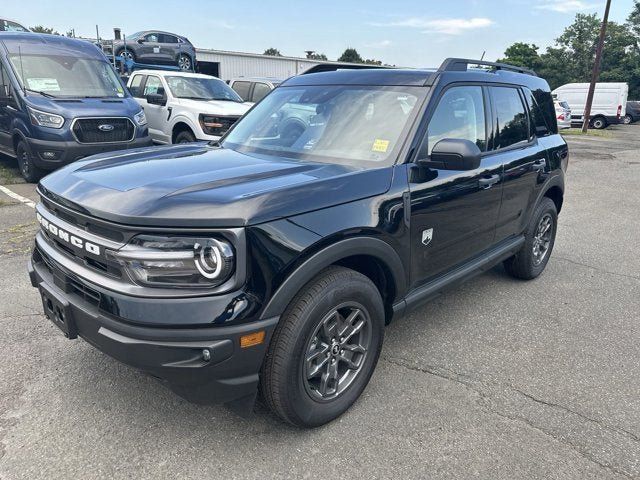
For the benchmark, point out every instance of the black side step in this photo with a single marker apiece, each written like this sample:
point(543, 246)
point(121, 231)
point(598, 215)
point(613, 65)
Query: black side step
point(422, 294)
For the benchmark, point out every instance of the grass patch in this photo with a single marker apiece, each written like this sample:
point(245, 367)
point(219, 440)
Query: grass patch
point(9, 174)
point(577, 132)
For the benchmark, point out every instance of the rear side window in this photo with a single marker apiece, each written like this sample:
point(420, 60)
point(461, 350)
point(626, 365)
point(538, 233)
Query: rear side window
point(164, 38)
point(136, 86)
point(242, 89)
point(539, 126)
point(511, 117)
point(459, 114)
point(260, 90)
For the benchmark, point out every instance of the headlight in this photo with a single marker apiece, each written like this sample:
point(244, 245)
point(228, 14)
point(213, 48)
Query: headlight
point(140, 118)
point(176, 261)
point(44, 119)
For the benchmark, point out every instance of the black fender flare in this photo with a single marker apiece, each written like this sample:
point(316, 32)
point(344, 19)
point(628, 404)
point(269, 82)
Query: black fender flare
point(555, 181)
point(327, 256)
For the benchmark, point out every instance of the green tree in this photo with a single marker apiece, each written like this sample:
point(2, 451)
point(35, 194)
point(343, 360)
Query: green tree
point(274, 52)
point(522, 55)
point(371, 61)
point(316, 56)
point(41, 29)
point(350, 55)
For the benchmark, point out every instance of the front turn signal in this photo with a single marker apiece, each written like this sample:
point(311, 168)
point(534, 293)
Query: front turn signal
point(251, 339)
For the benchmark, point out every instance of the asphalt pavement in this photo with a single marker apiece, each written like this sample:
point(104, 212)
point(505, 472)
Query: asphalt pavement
point(498, 379)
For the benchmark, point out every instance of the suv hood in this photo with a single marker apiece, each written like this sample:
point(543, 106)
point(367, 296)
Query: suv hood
point(215, 107)
point(201, 186)
point(85, 107)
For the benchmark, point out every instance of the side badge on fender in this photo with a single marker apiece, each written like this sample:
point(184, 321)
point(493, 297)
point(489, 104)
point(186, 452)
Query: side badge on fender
point(427, 235)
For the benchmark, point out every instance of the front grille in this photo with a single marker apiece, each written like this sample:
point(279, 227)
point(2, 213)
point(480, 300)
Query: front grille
point(226, 123)
point(103, 130)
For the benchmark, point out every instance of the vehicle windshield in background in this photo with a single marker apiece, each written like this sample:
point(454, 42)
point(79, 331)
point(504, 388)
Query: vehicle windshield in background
point(201, 89)
point(9, 26)
point(65, 76)
point(351, 125)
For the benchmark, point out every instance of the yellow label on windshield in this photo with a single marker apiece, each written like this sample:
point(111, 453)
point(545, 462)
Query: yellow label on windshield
point(380, 145)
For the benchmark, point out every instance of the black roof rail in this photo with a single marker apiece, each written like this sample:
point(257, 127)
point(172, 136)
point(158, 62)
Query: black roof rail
point(332, 67)
point(461, 64)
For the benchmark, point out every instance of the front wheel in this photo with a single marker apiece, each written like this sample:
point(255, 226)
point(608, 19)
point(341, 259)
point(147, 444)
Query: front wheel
point(30, 172)
point(324, 349)
point(540, 237)
point(185, 137)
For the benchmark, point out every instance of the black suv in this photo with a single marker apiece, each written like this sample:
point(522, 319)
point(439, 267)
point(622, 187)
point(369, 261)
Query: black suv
point(272, 260)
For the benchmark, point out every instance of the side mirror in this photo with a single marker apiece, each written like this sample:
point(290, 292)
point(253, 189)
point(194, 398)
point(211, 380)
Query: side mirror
point(140, 41)
point(156, 99)
point(453, 154)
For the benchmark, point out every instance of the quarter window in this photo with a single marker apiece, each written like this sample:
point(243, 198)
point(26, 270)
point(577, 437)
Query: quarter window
point(136, 86)
point(538, 125)
point(459, 114)
point(512, 121)
point(260, 90)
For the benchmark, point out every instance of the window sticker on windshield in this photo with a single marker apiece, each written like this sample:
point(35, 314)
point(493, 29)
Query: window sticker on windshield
point(44, 84)
point(380, 145)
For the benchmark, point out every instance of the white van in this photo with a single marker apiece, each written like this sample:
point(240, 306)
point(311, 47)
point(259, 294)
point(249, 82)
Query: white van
point(609, 102)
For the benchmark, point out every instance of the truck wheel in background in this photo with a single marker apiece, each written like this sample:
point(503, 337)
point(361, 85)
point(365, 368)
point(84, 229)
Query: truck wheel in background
point(324, 348)
point(184, 136)
point(540, 237)
point(599, 123)
point(129, 55)
point(30, 172)
point(628, 119)
point(184, 62)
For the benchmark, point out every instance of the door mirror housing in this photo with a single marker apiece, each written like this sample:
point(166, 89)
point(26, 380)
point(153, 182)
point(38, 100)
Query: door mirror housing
point(140, 41)
point(156, 99)
point(453, 154)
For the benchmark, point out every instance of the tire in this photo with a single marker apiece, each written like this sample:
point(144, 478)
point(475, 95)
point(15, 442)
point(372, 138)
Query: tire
point(184, 62)
point(599, 123)
point(526, 264)
point(287, 381)
point(185, 136)
point(29, 171)
point(627, 120)
point(129, 56)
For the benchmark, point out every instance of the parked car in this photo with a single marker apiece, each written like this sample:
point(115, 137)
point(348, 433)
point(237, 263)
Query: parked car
point(632, 113)
point(277, 261)
point(563, 114)
point(61, 100)
point(159, 48)
point(254, 89)
point(7, 25)
point(184, 107)
point(608, 107)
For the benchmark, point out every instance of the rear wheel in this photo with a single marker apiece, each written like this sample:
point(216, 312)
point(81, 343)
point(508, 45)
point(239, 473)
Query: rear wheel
point(30, 172)
point(184, 62)
point(324, 349)
point(540, 237)
point(599, 123)
point(127, 55)
point(185, 137)
point(627, 119)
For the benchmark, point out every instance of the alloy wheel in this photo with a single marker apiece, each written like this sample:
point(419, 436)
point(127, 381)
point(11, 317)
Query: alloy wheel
point(542, 239)
point(336, 351)
point(184, 63)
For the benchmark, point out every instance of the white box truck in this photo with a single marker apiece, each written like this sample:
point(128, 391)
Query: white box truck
point(609, 102)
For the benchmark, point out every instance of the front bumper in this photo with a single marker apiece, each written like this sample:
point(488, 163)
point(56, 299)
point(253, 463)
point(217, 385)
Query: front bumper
point(176, 356)
point(70, 151)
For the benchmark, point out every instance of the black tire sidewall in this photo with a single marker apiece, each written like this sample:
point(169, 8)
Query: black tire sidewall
point(544, 207)
point(630, 119)
point(603, 123)
point(309, 411)
point(34, 173)
point(188, 135)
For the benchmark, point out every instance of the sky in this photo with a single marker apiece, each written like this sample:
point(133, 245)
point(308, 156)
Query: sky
point(411, 33)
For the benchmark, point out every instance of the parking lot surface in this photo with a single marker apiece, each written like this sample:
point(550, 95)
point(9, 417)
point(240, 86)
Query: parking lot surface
point(496, 379)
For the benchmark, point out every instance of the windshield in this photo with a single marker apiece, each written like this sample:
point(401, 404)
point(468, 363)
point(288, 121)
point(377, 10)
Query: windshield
point(351, 125)
point(65, 76)
point(201, 89)
point(9, 26)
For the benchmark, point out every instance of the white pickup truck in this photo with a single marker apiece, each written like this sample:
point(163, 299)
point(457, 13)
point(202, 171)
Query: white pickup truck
point(185, 107)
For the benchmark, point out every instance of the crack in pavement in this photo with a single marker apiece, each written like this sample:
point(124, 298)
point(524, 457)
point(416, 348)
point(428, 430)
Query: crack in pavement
point(491, 394)
point(597, 269)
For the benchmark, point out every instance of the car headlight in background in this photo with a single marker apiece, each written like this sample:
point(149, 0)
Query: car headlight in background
point(173, 261)
point(140, 118)
point(44, 119)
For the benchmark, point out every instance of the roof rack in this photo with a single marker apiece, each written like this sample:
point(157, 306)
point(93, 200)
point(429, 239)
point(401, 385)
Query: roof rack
point(461, 65)
point(331, 67)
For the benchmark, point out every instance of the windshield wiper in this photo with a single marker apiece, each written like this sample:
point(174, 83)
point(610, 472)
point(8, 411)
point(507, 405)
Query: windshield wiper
point(44, 94)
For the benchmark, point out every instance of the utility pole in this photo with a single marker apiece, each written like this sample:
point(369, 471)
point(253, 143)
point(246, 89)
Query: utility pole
point(596, 69)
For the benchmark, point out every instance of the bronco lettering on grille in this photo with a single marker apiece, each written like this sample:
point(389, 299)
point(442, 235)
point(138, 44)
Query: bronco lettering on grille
point(67, 237)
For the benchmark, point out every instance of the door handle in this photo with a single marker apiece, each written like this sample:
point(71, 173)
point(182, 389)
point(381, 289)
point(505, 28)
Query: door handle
point(488, 182)
point(539, 164)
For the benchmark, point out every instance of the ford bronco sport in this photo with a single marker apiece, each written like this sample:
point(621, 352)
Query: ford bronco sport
point(271, 260)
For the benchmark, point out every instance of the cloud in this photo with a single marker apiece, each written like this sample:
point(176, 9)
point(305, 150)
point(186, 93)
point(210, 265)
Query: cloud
point(566, 6)
point(221, 24)
point(380, 44)
point(447, 26)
